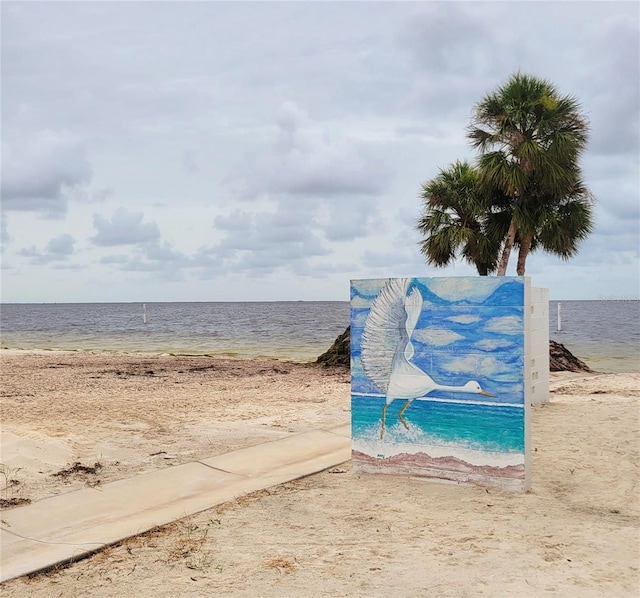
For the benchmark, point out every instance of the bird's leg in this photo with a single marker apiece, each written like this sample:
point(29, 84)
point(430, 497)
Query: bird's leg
point(384, 415)
point(404, 408)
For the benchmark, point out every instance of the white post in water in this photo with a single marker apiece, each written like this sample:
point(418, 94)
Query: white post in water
point(559, 318)
point(144, 313)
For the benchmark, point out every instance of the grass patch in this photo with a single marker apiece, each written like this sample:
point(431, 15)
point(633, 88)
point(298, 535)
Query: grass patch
point(188, 547)
point(12, 485)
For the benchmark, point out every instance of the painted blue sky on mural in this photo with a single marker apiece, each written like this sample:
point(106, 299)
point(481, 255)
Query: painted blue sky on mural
point(470, 328)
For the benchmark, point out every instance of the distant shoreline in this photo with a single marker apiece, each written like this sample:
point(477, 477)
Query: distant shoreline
point(599, 364)
point(152, 354)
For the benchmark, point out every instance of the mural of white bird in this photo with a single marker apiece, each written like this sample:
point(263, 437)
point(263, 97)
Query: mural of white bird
point(387, 350)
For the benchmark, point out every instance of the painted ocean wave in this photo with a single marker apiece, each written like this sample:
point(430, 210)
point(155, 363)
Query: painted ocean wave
point(474, 427)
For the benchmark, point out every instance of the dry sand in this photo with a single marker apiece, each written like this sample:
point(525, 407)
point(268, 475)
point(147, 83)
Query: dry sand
point(338, 533)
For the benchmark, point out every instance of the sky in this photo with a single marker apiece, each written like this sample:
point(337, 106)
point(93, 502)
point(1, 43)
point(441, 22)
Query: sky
point(211, 151)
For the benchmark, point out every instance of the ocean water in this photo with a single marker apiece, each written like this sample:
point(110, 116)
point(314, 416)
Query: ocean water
point(605, 334)
point(471, 426)
point(296, 330)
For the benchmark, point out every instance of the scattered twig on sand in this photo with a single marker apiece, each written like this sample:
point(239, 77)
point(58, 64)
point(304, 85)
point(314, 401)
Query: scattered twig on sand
point(281, 564)
point(78, 469)
point(14, 501)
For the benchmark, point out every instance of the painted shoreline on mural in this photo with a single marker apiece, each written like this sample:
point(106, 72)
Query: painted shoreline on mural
point(438, 389)
point(510, 477)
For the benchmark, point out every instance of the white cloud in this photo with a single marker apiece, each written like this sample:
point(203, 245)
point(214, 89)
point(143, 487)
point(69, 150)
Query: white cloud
point(437, 337)
point(361, 302)
point(267, 240)
point(505, 325)
point(492, 344)
point(38, 172)
point(470, 288)
point(58, 249)
point(62, 245)
point(359, 320)
point(464, 319)
point(615, 51)
point(492, 366)
point(5, 237)
point(308, 159)
point(474, 365)
point(124, 228)
point(462, 365)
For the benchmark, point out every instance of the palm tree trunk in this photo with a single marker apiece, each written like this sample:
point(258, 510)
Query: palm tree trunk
point(506, 251)
point(525, 248)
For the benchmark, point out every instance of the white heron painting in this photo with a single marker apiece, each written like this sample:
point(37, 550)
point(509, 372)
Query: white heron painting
point(438, 377)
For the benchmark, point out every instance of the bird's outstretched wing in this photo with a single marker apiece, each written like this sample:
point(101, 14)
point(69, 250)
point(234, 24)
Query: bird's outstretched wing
point(386, 331)
point(413, 307)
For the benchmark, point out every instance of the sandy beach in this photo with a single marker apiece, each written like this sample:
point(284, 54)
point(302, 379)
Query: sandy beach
point(72, 419)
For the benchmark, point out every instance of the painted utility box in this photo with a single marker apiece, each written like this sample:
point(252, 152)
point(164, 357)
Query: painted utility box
point(443, 374)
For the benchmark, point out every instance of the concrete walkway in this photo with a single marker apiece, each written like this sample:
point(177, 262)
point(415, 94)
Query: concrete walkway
point(66, 527)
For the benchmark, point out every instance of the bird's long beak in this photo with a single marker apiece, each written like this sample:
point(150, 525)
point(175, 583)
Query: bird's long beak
point(487, 394)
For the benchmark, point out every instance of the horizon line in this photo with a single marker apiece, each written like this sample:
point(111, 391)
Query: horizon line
point(143, 301)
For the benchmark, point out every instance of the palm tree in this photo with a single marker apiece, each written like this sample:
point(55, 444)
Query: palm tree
point(560, 224)
point(461, 217)
point(530, 141)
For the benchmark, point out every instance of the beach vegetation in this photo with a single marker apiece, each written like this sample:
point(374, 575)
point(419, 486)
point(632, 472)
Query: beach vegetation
point(188, 547)
point(525, 189)
point(11, 487)
point(462, 217)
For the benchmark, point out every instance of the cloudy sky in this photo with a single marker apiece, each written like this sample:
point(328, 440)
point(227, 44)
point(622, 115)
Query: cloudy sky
point(205, 151)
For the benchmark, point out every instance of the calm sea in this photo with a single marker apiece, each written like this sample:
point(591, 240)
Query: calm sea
point(285, 330)
point(605, 334)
